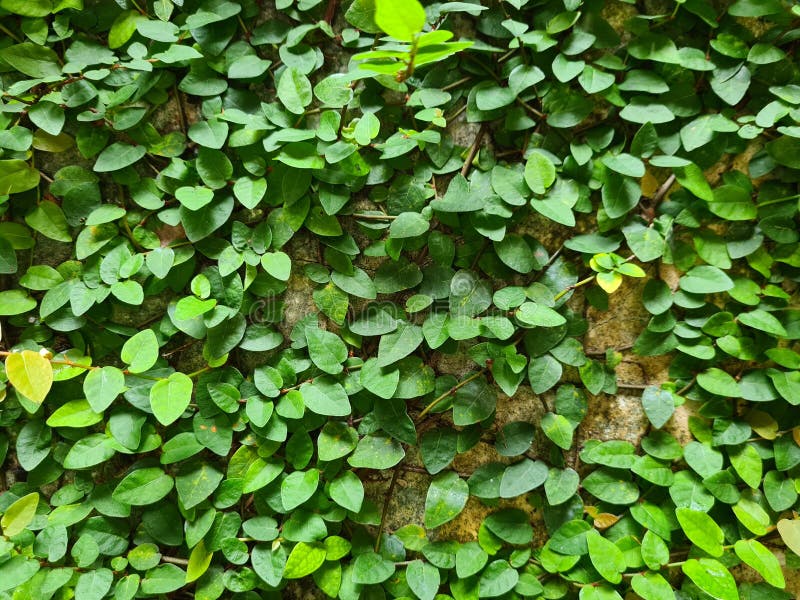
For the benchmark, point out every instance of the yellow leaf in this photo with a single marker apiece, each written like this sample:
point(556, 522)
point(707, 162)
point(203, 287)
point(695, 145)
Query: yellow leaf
point(609, 281)
point(19, 515)
point(199, 561)
point(790, 533)
point(763, 424)
point(30, 373)
point(605, 520)
point(649, 184)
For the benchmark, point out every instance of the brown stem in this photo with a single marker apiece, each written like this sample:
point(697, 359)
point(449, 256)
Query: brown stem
point(473, 150)
point(387, 499)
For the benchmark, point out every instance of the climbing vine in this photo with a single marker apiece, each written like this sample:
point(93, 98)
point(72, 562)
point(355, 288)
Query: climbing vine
point(265, 265)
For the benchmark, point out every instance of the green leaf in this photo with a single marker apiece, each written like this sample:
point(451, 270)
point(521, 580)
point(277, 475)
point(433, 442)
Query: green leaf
point(544, 372)
point(497, 579)
point(605, 486)
point(118, 156)
point(336, 440)
point(522, 477)
point(48, 219)
point(401, 19)
point(446, 498)
point(652, 586)
point(510, 525)
point(325, 396)
point(32, 59)
point(705, 280)
point(277, 264)
point(196, 481)
point(30, 373)
point(94, 584)
point(19, 514)
point(400, 344)
point(294, 90)
point(474, 402)
point(789, 530)
point(408, 225)
point(748, 465)
point(711, 577)
point(326, 349)
point(763, 321)
point(558, 429)
point(423, 579)
point(469, 295)
point(620, 195)
point(371, 568)
point(377, 451)
point(785, 151)
point(701, 530)
point(298, 487)
point(658, 405)
point(347, 491)
point(89, 451)
point(163, 579)
point(143, 486)
point(606, 557)
point(719, 382)
point(561, 485)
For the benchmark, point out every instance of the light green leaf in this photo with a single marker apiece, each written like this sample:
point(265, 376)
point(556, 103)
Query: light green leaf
point(606, 557)
point(102, 386)
point(401, 19)
point(140, 351)
point(170, 397)
point(701, 530)
point(19, 514)
point(540, 173)
point(757, 556)
point(278, 264)
point(304, 559)
point(294, 90)
point(711, 577)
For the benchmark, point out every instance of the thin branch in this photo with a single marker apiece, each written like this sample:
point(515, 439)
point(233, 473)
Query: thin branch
point(473, 150)
point(386, 501)
point(665, 187)
point(447, 394)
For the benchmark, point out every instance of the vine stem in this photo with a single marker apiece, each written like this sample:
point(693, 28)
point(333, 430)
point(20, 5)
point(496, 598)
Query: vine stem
point(10, 33)
point(455, 84)
point(387, 499)
point(664, 188)
point(686, 388)
point(574, 286)
point(374, 217)
point(449, 393)
point(473, 150)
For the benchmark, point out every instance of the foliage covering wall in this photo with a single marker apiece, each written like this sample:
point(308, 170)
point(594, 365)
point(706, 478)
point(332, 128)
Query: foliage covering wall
point(241, 240)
